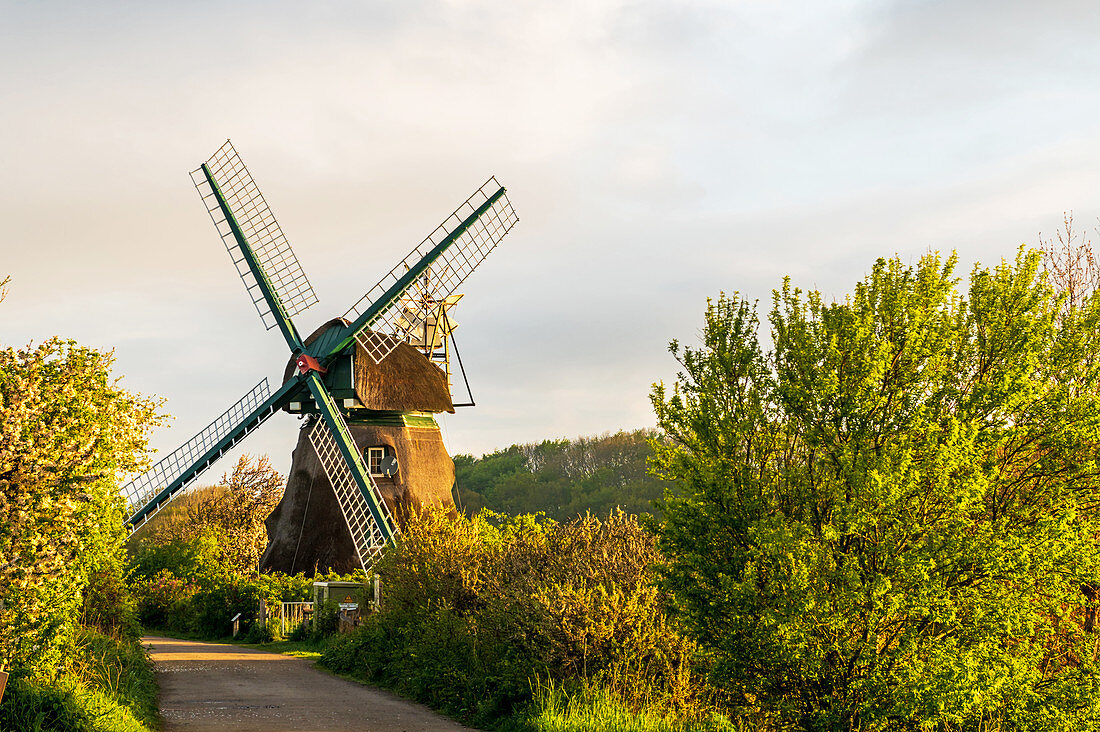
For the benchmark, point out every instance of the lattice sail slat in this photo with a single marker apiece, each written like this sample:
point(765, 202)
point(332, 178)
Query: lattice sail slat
point(394, 323)
point(365, 532)
point(260, 229)
point(145, 487)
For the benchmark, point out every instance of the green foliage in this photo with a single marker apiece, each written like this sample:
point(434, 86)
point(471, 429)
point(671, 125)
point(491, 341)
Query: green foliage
point(211, 609)
point(194, 568)
point(163, 601)
point(220, 527)
point(67, 434)
point(204, 603)
point(326, 620)
point(191, 585)
point(587, 706)
point(563, 478)
point(108, 603)
point(262, 633)
point(195, 558)
point(105, 684)
point(888, 522)
point(474, 609)
point(302, 632)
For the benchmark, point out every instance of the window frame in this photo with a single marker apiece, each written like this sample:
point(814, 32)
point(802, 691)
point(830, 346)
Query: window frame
point(374, 467)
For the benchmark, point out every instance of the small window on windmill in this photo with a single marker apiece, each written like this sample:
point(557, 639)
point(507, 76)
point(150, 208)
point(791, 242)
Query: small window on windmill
point(381, 461)
point(374, 460)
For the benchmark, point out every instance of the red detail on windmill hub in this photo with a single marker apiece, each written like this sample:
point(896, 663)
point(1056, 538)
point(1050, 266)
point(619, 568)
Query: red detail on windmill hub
point(309, 363)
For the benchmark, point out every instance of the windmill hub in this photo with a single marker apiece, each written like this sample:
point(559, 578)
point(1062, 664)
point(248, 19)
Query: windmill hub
point(307, 363)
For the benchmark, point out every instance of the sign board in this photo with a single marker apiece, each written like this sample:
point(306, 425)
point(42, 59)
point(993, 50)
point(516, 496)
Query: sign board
point(3, 682)
point(344, 594)
point(235, 618)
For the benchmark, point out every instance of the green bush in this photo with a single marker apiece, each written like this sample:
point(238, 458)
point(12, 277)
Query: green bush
point(212, 608)
point(326, 620)
point(68, 433)
point(474, 609)
point(163, 601)
point(301, 632)
point(204, 603)
point(108, 602)
point(262, 632)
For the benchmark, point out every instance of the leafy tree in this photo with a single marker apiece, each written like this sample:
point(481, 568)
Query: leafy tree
point(68, 431)
point(562, 478)
point(195, 564)
point(889, 521)
point(231, 514)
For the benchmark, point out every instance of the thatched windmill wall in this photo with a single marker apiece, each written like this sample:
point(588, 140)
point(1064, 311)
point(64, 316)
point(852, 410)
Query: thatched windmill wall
point(396, 400)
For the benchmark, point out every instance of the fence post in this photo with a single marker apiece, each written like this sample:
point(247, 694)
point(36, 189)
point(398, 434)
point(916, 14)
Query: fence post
point(377, 591)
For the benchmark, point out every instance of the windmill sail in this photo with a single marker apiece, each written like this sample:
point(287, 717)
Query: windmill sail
point(152, 490)
point(366, 534)
point(436, 266)
point(248, 210)
point(409, 304)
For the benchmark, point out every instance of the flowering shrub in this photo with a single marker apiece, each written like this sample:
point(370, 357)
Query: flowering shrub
point(68, 433)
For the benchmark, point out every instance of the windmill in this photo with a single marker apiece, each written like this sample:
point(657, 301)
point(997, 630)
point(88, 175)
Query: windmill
point(332, 369)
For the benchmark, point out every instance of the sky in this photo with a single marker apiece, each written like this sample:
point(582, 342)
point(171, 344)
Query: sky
point(657, 154)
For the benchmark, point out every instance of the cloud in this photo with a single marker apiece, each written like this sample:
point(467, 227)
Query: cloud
point(657, 153)
point(917, 57)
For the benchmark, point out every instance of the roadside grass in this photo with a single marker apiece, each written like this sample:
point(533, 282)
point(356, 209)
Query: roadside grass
point(309, 650)
point(108, 685)
point(586, 706)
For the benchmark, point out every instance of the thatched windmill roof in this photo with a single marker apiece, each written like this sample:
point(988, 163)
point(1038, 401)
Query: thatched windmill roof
point(405, 381)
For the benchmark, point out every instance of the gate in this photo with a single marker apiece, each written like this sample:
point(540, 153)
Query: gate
point(293, 614)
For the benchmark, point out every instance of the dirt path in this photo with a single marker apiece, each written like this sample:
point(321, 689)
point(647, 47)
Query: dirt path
point(213, 686)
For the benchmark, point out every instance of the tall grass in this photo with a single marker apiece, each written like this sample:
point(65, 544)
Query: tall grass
point(108, 685)
point(589, 706)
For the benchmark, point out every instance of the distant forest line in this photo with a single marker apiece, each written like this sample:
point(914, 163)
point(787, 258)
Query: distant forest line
point(562, 478)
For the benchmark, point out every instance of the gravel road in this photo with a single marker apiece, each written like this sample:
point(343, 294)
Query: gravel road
point(214, 686)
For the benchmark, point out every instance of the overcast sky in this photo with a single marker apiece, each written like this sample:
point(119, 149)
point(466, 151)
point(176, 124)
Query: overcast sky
point(657, 153)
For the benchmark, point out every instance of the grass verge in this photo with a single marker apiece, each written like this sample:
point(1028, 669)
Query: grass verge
point(585, 706)
point(299, 649)
point(107, 686)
